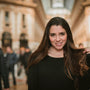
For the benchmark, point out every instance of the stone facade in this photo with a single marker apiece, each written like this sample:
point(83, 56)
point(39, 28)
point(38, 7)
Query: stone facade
point(27, 17)
point(80, 22)
point(31, 12)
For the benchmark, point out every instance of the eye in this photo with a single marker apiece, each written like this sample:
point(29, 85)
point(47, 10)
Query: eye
point(52, 34)
point(62, 33)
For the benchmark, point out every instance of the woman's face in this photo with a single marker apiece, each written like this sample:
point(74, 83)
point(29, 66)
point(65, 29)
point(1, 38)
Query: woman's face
point(58, 37)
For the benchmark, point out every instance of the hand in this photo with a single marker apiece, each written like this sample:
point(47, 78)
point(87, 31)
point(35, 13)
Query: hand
point(87, 50)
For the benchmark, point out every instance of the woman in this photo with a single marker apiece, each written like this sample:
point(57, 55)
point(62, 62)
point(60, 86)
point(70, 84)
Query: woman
point(57, 64)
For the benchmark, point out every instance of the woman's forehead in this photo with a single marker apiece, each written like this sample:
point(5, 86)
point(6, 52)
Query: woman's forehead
point(57, 28)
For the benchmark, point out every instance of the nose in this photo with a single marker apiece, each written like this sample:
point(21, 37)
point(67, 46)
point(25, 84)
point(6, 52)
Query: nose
point(57, 38)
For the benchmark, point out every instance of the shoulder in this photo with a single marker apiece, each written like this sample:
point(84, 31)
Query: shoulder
point(34, 67)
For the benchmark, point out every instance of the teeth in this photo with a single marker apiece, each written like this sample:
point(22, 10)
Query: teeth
point(59, 44)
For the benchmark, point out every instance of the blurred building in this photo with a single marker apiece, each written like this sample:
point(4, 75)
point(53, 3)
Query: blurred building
point(22, 22)
point(80, 22)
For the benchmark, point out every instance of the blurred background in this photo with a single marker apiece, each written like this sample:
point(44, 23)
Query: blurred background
point(22, 24)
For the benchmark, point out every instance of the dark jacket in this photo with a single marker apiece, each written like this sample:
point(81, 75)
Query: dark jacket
point(4, 69)
point(24, 59)
point(0, 68)
point(12, 60)
point(26, 56)
point(1, 53)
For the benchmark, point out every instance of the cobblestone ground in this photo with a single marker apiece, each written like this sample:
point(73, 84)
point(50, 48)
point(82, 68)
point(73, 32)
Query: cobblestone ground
point(19, 87)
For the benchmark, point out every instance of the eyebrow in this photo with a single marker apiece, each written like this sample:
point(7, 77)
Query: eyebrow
point(59, 32)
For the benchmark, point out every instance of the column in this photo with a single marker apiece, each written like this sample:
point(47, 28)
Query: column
point(87, 16)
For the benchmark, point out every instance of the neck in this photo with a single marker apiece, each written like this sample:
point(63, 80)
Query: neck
point(55, 53)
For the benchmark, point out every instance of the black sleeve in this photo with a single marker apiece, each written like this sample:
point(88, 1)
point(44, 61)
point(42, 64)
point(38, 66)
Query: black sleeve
point(15, 58)
point(33, 78)
point(84, 81)
point(88, 59)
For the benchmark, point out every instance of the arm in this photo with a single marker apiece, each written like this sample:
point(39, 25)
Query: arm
point(84, 81)
point(88, 73)
point(33, 78)
point(15, 58)
point(88, 59)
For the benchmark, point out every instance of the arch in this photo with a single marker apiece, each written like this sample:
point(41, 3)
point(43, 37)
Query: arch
point(6, 39)
point(23, 40)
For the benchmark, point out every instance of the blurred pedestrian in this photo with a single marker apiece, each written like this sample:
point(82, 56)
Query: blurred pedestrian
point(0, 68)
point(11, 63)
point(4, 69)
point(26, 58)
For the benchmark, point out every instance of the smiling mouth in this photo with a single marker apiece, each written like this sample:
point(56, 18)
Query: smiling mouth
point(58, 44)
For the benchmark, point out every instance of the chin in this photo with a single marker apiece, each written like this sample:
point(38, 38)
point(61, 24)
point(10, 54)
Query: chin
point(58, 49)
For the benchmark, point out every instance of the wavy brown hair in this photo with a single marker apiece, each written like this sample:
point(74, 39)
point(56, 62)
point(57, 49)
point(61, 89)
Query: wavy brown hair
point(74, 59)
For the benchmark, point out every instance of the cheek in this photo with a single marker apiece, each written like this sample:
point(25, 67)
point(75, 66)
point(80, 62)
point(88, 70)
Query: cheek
point(65, 38)
point(51, 39)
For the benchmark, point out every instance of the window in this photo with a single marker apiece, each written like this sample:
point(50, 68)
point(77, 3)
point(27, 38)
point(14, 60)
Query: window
point(23, 40)
point(7, 18)
point(57, 3)
point(23, 21)
point(6, 39)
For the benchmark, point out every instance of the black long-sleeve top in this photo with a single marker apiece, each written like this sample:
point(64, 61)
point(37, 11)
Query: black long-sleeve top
point(49, 74)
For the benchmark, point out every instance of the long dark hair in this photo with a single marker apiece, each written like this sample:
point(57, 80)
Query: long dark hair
point(74, 59)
